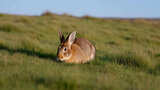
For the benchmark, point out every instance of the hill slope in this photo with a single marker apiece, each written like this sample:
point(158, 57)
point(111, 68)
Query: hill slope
point(128, 53)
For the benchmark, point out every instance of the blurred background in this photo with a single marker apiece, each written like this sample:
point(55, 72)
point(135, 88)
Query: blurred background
point(97, 8)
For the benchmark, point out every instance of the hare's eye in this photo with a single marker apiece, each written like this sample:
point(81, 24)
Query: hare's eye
point(65, 49)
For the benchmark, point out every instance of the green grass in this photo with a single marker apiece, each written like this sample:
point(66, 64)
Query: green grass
point(127, 58)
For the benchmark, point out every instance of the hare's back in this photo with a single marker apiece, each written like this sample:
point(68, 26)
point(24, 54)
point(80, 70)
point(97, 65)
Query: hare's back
point(87, 48)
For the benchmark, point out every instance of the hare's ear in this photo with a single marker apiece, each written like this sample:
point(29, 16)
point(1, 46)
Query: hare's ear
point(61, 36)
point(71, 38)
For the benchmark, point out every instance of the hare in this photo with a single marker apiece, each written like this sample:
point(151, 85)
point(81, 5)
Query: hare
point(75, 50)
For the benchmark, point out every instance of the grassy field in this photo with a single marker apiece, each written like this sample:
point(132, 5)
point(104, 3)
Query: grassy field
point(127, 58)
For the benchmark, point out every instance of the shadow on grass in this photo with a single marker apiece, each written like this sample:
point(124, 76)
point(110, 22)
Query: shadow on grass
point(157, 55)
point(155, 70)
point(29, 52)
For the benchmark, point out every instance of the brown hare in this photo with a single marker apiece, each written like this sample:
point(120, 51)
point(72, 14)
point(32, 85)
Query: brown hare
point(75, 50)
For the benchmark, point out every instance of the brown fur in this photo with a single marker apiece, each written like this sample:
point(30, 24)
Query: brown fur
point(79, 51)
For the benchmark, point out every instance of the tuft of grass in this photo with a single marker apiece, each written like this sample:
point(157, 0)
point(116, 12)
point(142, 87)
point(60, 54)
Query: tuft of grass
point(131, 59)
point(8, 28)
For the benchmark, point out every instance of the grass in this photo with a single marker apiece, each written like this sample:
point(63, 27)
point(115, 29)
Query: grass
point(127, 58)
